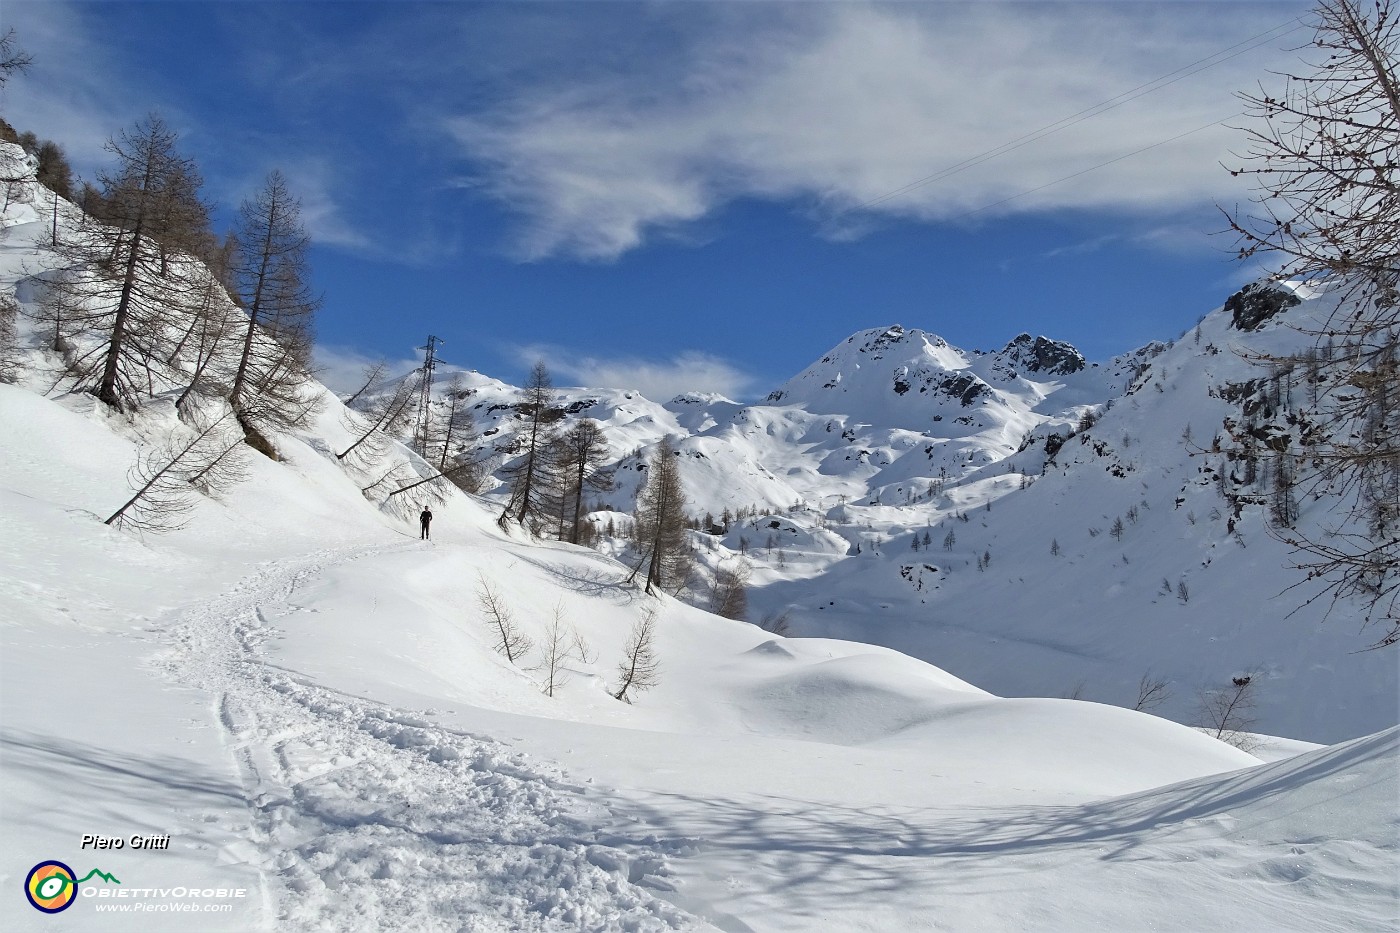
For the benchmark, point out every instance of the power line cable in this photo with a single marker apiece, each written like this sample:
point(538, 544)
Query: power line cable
point(1093, 168)
point(1171, 77)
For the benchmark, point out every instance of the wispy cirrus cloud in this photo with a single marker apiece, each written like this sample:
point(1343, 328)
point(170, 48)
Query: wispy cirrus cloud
point(837, 107)
point(322, 194)
point(81, 93)
point(1083, 247)
point(657, 379)
point(74, 92)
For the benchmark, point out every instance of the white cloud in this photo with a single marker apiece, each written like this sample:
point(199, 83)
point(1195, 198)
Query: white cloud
point(342, 369)
point(1189, 239)
point(845, 103)
point(657, 379)
point(315, 183)
point(80, 95)
point(1083, 247)
point(73, 93)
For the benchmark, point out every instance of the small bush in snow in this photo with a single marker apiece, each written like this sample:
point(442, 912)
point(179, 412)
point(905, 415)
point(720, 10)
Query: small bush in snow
point(779, 623)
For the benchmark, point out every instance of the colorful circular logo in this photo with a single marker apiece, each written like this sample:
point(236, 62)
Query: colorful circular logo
point(51, 886)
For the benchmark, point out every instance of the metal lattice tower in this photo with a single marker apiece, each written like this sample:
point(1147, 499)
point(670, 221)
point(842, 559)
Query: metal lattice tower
point(425, 393)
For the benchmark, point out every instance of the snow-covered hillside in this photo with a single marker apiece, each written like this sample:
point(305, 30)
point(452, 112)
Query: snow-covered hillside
point(882, 477)
point(306, 699)
point(1140, 547)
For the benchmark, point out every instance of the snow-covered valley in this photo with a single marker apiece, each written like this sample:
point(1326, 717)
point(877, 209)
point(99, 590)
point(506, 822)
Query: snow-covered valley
point(1035, 524)
point(306, 698)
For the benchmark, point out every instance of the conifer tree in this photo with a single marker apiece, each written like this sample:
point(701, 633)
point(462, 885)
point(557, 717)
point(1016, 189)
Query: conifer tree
point(583, 450)
point(531, 476)
point(270, 274)
point(54, 171)
point(9, 357)
point(660, 526)
point(120, 284)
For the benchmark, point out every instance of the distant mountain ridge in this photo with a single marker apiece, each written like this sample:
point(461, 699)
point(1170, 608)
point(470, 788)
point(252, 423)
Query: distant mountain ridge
point(1024, 517)
point(845, 426)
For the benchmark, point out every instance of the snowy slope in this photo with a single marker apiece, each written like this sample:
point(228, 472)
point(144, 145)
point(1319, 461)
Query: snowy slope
point(335, 734)
point(1189, 592)
point(306, 699)
point(894, 435)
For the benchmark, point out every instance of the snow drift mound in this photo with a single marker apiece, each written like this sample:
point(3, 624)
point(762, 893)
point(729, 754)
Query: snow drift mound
point(893, 702)
point(1349, 791)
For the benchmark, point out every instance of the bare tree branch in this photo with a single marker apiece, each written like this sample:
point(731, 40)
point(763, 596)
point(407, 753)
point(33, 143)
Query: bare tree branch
point(639, 669)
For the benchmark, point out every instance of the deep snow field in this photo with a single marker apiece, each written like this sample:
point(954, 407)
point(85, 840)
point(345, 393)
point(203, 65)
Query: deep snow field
point(304, 697)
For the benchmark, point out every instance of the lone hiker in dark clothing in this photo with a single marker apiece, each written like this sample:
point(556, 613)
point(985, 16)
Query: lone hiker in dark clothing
point(425, 519)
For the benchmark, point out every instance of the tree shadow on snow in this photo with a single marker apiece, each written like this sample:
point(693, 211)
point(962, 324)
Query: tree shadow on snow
point(85, 781)
point(603, 580)
point(821, 853)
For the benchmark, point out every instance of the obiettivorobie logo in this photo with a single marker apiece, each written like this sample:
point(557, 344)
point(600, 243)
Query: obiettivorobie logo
point(52, 886)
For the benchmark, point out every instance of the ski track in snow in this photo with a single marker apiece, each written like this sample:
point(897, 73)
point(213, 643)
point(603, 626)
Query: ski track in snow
point(373, 818)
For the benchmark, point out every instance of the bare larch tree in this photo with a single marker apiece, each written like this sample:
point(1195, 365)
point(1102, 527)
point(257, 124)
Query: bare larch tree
point(379, 417)
point(582, 454)
point(660, 525)
point(729, 596)
point(530, 476)
point(562, 646)
point(507, 638)
point(166, 478)
point(639, 668)
point(449, 426)
point(1324, 154)
point(120, 282)
point(270, 273)
point(13, 59)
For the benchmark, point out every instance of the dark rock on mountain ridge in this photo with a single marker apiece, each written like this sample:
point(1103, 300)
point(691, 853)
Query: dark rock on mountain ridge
point(1256, 303)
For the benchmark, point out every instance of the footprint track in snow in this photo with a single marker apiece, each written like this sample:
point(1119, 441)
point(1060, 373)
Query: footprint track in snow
point(367, 817)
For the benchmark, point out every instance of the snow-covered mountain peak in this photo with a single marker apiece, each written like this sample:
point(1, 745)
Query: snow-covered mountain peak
point(910, 379)
point(895, 359)
point(866, 360)
point(688, 400)
point(1258, 302)
point(1041, 355)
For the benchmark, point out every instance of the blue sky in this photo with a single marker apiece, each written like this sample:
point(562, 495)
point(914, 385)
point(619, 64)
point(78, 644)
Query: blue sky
point(671, 195)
